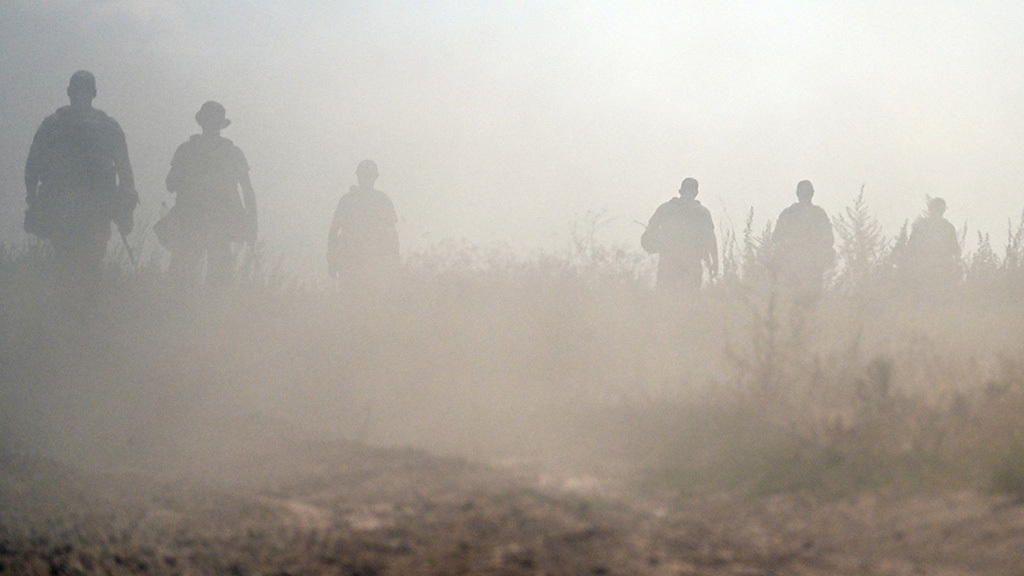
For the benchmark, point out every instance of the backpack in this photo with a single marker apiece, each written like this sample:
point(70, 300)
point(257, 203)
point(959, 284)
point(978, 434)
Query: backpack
point(678, 229)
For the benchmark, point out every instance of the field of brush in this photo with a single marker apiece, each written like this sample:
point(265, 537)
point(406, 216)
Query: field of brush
point(567, 368)
point(567, 358)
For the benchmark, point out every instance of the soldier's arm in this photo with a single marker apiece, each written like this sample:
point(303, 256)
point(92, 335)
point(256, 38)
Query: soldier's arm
point(332, 234)
point(781, 229)
point(656, 218)
point(828, 233)
point(647, 238)
point(35, 164)
point(122, 165)
point(828, 240)
point(712, 247)
point(332, 240)
point(249, 198)
point(248, 195)
point(175, 179)
point(392, 220)
point(31, 181)
point(953, 242)
point(128, 197)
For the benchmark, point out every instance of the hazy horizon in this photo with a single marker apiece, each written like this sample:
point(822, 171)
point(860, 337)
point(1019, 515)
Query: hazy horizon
point(506, 122)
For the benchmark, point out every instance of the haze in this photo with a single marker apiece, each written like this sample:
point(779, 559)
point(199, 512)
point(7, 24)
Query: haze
point(505, 122)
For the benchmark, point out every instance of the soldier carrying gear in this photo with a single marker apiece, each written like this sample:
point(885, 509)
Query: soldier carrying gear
point(682, 233)
point(362, 244)
point(803, 242)
point(209, 214)
point(78, 180)
point(932, 261)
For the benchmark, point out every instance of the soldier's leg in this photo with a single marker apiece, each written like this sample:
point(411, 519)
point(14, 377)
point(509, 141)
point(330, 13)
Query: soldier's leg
point(220, 264)
point(186, 262)
point(679, 276)
point(79, 253)
point(693, 277)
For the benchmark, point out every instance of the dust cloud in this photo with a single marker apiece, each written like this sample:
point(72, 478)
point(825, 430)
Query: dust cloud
point(544, 111)
point(521, 145)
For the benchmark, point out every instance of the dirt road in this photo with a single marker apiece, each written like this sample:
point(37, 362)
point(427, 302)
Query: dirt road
point(354, 510)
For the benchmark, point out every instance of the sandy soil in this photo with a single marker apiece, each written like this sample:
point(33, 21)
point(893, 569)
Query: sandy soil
point(354, 510)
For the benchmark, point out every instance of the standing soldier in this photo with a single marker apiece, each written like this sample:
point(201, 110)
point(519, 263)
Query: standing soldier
point(803, 243)
point(932, 262)
point(78, 180)
point(362, 244)
point(208, 215)
point(682, 233)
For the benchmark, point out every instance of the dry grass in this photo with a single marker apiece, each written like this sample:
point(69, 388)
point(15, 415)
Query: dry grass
point(568, 358)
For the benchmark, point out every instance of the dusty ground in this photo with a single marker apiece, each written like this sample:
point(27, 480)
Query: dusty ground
point(354, 510)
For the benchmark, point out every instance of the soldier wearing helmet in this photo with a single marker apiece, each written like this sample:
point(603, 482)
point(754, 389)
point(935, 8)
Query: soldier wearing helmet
point(803, 244)
point(78, 180)
point(682, 233)
point(362, 244)
point(207, 173)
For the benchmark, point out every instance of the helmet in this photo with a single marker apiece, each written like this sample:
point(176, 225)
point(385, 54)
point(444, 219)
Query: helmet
point(211, 115)
point(688, 187)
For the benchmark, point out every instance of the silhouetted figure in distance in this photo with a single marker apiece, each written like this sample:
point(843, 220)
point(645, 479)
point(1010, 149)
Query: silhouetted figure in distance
point(362, 244)
point(682, 234)
point(78, 180)
point(803, 244)
point(208, 215)
point(932, 258)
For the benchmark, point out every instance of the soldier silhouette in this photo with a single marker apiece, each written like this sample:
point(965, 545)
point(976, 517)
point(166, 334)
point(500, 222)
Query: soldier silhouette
point(932, 258)
point(803, 244)
point(682, 234)
point(78, 180)
point(208, 214)
point(362, 244)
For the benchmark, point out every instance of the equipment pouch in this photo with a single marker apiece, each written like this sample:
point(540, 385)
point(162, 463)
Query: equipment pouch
point(170, 230)
point(42, 217)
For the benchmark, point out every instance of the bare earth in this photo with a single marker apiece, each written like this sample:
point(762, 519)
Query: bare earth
point(354, 510)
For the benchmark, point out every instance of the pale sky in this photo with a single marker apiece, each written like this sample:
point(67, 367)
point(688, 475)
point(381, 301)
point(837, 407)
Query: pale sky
point(506, 121)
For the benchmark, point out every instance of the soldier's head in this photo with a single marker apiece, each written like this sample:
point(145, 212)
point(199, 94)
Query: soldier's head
point(366, 173)
point(936, 207)
point(82, 87)
point(688, 189)
point(211, 116)
point(804, 191)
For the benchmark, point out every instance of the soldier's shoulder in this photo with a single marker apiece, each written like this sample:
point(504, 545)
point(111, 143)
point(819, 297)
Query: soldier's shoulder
point(349, 195)
point(702, 209)
point(821, 215)
point(671, 206)
point(788, 211)
point(61, 114)
point(235, 150)
point(187, 145)
point(101, 116)
point(384, 201)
